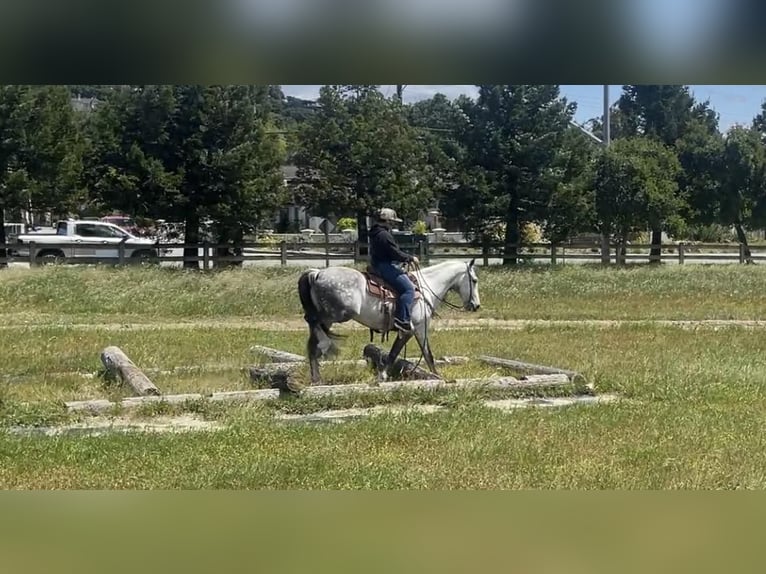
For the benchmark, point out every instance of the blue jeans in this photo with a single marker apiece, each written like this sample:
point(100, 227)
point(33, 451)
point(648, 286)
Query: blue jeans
point(398, 279)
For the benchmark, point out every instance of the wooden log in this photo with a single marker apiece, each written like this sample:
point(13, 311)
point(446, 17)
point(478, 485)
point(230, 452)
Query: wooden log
point(117, 363)
point(500, 383)
point(530, 367)
point(104, 405)
point(255, 395)
point(402, 367)
point(289, 366)
point(278, 356)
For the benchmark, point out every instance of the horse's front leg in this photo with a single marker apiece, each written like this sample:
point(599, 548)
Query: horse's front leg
point(393, 355)
point(421, 336)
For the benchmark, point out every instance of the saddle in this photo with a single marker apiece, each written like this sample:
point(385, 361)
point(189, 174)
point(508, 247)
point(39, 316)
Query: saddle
point(378, 287)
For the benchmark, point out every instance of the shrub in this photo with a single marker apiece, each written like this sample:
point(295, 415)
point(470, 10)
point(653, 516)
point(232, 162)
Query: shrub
point(346, 223)
point(420, 228)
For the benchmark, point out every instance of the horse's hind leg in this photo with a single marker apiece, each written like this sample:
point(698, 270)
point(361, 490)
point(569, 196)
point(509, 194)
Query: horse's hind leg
point(313, 353)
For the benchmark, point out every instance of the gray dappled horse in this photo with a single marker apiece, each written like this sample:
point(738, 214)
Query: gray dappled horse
point(341, 294)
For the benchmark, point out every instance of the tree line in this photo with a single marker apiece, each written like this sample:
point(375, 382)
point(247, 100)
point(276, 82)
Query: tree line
point(507, 158)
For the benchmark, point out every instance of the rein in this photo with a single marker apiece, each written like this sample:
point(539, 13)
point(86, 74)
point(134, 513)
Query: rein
point(424, 283)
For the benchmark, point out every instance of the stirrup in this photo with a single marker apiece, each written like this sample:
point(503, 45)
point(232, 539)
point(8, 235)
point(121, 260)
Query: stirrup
point(404, 327)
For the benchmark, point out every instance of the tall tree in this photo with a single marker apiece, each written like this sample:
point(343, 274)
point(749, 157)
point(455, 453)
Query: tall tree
point(700, 151)
point(441, 125)
point(759, 122)
point(359, 153)
point(515, 138)
point(635, 183)
point(40, 151)
point(571, 208)
point(662, 112)
point(743, 182)
point(189, 153)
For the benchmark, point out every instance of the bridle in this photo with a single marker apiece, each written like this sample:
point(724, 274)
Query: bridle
point(424, 283)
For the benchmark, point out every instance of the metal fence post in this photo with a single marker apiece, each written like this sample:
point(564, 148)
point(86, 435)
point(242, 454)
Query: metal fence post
point(32, 254)
point(283, 253)
point(121, 251)
point(553, 254)
point(681, 254)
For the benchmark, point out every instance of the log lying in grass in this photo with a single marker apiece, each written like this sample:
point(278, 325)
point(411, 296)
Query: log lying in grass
point(532, 368)
point(292, 365)
point(117, 364)
point(502, 383)
point(104, 405)
point(402, 367)
point(276, 355)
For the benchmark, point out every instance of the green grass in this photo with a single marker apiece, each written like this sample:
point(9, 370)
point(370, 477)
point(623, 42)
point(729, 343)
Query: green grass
point(692, 417)
point(113, 295)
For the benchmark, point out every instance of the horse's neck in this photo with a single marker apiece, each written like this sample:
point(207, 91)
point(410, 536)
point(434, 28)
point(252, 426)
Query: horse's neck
point(439, 280)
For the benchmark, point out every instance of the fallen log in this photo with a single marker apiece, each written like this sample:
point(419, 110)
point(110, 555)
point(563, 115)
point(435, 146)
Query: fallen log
point(117, 364)
point(531, 368)
point(276, 355)
point(292, 365)
point(401, 367)
point(243, 396)
point(104, 405)
point(500, 383)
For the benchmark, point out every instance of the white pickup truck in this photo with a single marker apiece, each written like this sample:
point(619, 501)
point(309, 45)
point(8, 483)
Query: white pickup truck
point(84, 240)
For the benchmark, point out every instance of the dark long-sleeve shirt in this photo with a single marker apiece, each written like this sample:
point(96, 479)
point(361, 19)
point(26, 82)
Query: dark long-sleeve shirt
point(383, 247)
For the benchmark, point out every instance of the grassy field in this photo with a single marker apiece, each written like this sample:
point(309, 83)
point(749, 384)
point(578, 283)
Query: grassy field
point(691, 414)
point(72, 295)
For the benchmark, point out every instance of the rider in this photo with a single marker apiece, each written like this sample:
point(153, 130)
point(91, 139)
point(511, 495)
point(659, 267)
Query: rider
point(384, 254)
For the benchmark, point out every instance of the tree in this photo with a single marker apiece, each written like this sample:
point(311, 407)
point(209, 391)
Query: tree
point(571, 208)
point(514, 141)
point(40, 151)
point(759, 122)
point(189, 153)
point(700, 151)
point(742, 197)
point(441, 125)
point(357, 154)
point(635, 183)
point(661, 112)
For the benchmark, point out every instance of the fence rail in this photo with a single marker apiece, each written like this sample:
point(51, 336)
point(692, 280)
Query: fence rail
point(211, 255)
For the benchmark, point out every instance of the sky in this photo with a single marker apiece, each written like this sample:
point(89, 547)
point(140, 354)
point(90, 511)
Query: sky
point(734, 104)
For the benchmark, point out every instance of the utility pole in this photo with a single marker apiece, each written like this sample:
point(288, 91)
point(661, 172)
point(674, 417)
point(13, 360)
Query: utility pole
point(607, 119)
point(605, 250)
point(400, 92)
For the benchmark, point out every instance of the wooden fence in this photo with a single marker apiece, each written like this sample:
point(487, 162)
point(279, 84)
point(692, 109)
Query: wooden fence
point(208, 255)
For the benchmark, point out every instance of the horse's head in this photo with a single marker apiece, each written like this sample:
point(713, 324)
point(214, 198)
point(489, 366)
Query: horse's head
point(468, 287)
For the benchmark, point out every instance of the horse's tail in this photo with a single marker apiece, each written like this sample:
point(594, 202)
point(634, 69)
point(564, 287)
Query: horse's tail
point(320, 333)
point(305, 283)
